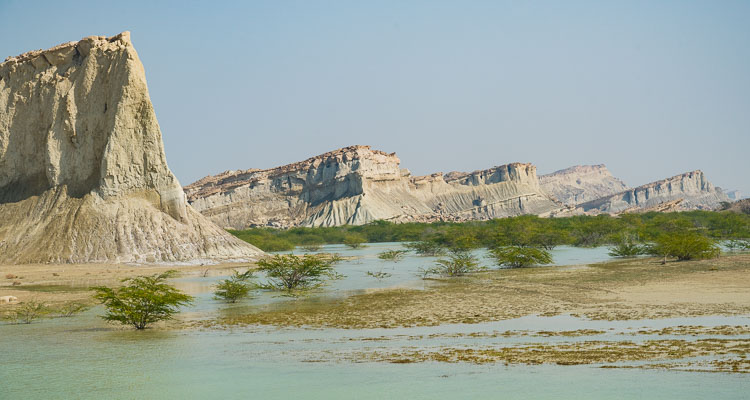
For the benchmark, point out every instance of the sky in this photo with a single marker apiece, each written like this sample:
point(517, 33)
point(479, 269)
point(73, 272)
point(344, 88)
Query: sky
point(649, 88)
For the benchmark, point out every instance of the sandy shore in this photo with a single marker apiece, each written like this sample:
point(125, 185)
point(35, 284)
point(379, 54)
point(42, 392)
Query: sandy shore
point(60, 283)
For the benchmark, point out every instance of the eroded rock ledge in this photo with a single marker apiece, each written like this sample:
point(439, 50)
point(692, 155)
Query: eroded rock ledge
point(83, 175)
point(357, 185)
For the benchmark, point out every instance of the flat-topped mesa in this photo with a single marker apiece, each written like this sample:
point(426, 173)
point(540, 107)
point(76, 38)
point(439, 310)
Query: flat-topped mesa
point(83, 175)
point(692, 188)
point(356, 185)
point(581, 183)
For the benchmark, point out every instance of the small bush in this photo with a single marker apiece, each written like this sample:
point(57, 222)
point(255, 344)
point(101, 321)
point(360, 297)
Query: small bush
point(517, 256)
point(72, 308)
point(355, 241)
point(142, 300)
point(289, 272)
point(392, 255)
point(627, 247)
point(685, 246)
point(235, 287)
point(426, 248)
point(458, 263)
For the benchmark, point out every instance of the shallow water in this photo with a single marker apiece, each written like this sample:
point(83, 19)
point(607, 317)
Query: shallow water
point(83, 357)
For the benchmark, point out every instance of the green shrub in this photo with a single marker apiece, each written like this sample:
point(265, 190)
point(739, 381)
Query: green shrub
point(355, 241)
point(517, 256)
point(142, 300)
point(290, 272)
point(235, 287)
point(458, 263)
point(627, 246)
point(392, 255)
point(685, 246)
point(427, 248)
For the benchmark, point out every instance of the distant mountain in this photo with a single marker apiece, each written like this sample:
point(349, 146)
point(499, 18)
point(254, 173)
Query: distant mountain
point(356, 185)
point(692, 188)
point(581, 183)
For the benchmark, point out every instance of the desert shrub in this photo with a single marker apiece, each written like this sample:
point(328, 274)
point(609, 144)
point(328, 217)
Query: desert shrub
point(627, 246)
point(142, 300)
point(458, 263)
point(355, 241)
point(72, 308)
point(685, 246)
point(392, 255)
point(234, 288)
point(290, 272)
point(427, 248)
point(26, 313)
point(518, 256)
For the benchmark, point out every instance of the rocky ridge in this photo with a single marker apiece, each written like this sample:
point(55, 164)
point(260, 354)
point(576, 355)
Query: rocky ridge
point(581, 183)
point(356, 185)
point(83, 175)
point(692, 189)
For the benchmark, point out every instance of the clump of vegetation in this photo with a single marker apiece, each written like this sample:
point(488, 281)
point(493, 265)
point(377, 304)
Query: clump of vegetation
point(355, 241)
point(142, 300)
point(458, 263)
point(518, 256)
point(290, 272)
point(379, 275)
point(685, 246)
point(626, 247)
point(72, 308)
point(26, 313)
point(526, 231)
point(427, 248)
point(236, 287)
point(392, 255)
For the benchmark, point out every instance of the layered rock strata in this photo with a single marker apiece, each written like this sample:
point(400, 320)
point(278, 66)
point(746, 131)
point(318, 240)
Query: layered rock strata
point(83, 175)
point(581, 183)
point(693, 190)
point(357, 185)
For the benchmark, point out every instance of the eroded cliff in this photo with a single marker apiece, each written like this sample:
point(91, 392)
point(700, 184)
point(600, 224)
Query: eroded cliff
point(581, 183)
point(692, 189)
point(357, 185)
point(83, 175)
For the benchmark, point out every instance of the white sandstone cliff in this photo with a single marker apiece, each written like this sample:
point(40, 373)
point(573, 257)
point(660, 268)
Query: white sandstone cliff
point(357, 185)
point(581, 183)
point(692, 189)
point(83, 175)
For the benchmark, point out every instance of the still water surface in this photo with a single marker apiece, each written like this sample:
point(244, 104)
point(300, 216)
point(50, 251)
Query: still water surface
point(83, 357)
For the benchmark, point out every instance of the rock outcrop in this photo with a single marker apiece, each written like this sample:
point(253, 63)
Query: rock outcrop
point(357, 185)
point(693, 190)
point(581, 183)
point(83, 175)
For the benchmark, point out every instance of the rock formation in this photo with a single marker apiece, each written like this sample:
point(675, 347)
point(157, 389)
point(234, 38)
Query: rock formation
point(83, 175)
point(581, 183)
point(692, 188)
point(357, 185)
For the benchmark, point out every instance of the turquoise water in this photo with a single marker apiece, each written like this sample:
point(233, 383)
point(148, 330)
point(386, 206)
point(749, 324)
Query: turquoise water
point(83, 357)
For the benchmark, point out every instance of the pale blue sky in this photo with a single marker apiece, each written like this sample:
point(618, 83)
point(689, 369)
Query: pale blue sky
point(650, 88)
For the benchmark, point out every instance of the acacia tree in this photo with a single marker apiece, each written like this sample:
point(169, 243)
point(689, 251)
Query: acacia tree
point(518, 256)
point(458, 263)
point(142, 300)
point(290, 272)
point(235, 287)
point(685, 246)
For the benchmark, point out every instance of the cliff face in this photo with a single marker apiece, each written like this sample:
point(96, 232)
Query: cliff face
point(581, 183)
point(357, 185)
point(692, 188)
point(83, 175)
